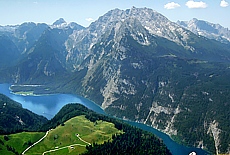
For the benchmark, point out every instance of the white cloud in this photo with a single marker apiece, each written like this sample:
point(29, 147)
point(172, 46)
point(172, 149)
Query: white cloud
point(89, 19)
point(171, 5)
point(195, 5)
point(223, 3)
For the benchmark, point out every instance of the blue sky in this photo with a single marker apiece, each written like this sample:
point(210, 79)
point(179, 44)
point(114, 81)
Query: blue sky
point(84, 12)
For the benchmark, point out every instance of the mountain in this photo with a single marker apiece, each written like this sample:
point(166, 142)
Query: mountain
point(8, 51)
point(133, 73)
point(80, 42)
point(207, 29)
point(24, 35)
point(138, 65)
point(14, 118)
point(16, 40)
point(46, 59)
point(62, 24)
point(42, 61)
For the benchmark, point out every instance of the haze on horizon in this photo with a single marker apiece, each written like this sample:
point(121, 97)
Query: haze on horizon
point(84, 12)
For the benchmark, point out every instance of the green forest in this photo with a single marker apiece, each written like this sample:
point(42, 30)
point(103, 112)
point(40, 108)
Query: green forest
point(131, 141)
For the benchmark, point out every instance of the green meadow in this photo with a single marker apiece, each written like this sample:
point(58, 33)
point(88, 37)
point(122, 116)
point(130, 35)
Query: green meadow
point(68, 138)
point(19, 142)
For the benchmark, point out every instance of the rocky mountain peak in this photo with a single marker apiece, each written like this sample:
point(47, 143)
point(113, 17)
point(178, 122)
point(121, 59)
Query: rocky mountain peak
point(59, 21)
point(207, 29)
point(154, 22)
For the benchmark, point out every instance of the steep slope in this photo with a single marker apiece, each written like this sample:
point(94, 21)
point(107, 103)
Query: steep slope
point(130, 141)
point(80, 42)
point(14, 118)
point(8, 52)
point(22, 39)
point(24, 35)
point(45, 60)
point(42, 62)
point(207, 29)
point(83, 131)
point(139, 76)
point(27, 34)
point(138, 65)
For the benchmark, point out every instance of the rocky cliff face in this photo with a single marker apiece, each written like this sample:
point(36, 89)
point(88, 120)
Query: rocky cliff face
point(207, 29)
point(139, 75)
point(138, 65)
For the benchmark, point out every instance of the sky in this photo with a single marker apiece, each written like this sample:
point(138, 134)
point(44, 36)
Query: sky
point(84, 12)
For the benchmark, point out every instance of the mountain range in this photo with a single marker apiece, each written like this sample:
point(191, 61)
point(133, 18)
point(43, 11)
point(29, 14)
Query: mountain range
point(207, 29)
point(137, 65)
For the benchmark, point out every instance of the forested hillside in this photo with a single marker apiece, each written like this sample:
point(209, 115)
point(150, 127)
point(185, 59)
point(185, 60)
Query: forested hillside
point(14, 118)
point(132, 141)
point(136, 64)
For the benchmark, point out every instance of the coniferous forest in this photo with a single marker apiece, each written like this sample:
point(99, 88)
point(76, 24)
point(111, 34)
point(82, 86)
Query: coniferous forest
point(131, 141)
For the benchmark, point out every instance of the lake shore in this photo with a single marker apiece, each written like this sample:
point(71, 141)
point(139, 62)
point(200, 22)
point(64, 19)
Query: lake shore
point(48, 105)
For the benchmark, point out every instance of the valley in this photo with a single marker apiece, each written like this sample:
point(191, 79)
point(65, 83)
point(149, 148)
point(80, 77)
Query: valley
point(135, 64)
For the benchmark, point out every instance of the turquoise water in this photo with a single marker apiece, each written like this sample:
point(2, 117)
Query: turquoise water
point(49, 105)
point(175, 148)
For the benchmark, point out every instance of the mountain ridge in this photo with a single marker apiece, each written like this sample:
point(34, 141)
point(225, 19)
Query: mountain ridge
point(138, 65)
point(207, 29)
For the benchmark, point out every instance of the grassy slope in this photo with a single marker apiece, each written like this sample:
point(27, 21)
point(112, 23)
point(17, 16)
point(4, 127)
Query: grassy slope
point(66, 135)
point(19, 141)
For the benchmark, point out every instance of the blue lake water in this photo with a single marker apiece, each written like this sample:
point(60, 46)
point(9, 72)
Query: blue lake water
point(49, 105)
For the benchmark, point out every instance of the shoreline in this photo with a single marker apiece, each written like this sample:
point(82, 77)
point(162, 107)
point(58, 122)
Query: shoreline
point(123, 119)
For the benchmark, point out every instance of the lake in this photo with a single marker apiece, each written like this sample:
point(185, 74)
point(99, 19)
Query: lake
point(49, 105)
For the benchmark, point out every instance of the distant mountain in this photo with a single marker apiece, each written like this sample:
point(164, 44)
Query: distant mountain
point(138, 65)
point(60, 21)
point(8, 52)
point(16, 40)
point(62, 24)
point(207, 29)
point(24, 35)
point(14, 118)
point(45, 59)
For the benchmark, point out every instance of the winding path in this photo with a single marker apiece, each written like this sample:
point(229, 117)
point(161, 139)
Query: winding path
point(78, 136)
point(47, 132)
point(36, 142)
point(62, 148)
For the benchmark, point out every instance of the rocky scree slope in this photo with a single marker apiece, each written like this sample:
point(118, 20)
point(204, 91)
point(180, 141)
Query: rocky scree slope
point(138, 65)
point(174, 85)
